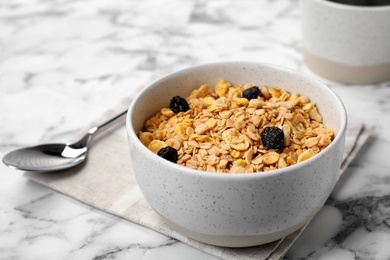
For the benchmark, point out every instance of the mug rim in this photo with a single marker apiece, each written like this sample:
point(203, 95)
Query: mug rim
point(350, 7)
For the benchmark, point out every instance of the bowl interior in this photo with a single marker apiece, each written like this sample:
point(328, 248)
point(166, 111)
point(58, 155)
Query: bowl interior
point(158, 94)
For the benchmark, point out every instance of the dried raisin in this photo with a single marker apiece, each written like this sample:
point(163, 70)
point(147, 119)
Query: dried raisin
point(251, 93)
point(178, 104)
point(169, 153)
point(272, 137)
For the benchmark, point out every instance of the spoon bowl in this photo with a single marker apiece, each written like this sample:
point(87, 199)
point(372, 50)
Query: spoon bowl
point(46, 157)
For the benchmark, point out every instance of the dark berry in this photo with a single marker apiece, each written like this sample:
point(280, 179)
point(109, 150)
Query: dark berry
point(178, 104)
point(272, 137)
point(169, 153)
point(251, 93)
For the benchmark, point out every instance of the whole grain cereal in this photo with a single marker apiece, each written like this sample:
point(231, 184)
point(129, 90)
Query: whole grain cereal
point(221, 130)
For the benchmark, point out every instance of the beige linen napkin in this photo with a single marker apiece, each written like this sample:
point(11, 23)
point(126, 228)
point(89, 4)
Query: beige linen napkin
point(106, 182)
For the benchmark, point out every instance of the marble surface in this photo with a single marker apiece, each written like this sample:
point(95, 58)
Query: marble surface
point(62, 63)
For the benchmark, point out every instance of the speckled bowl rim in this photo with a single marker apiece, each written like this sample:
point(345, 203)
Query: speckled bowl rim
point(338, 138)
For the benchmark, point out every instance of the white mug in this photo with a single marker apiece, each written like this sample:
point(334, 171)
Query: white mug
point(347, 43)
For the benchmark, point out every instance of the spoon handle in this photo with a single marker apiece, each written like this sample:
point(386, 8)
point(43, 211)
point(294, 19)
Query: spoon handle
point(106, 123)
point(87, 137)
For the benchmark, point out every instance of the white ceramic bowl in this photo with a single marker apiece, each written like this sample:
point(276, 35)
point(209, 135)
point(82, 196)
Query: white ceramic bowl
point(236, 210)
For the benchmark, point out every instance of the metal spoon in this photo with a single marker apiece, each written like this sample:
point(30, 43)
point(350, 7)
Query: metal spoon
point(55, 156)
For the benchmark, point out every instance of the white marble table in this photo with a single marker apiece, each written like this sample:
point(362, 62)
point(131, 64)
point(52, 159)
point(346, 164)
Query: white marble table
point(62, 63)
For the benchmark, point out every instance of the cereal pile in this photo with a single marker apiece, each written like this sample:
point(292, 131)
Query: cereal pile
point(237, 129)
